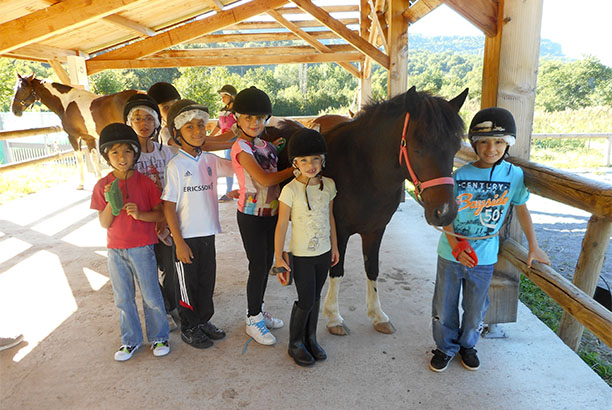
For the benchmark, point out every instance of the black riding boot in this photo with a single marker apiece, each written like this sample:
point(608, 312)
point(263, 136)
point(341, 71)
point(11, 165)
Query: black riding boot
point(311, 334)
point(297, 329)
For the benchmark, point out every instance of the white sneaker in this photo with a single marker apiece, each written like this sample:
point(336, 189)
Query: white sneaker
point(256, 328)
point(125, 352)
point(272, 322)
point(160, 348)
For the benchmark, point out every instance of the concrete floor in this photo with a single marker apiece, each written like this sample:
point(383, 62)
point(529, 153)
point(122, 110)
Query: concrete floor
point(54, 288)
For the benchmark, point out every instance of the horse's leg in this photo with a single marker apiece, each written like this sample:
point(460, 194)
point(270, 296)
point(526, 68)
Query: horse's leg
point(94, 157)
point(78, 154)
point(331, 309)
point(371, 247)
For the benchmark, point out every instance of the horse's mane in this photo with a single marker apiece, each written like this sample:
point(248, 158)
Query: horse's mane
point(438, 124)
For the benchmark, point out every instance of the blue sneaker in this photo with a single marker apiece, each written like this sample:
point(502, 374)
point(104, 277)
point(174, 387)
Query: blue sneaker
point(256, 328)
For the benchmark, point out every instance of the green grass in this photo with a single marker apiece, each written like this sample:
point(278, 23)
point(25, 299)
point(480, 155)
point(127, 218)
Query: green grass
point(592, 351)
point(21, 182)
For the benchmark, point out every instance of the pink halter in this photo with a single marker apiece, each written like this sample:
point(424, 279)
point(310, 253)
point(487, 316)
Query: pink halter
point(419, 186)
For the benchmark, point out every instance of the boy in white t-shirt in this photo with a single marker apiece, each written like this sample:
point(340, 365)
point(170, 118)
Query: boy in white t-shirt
point(192, 211)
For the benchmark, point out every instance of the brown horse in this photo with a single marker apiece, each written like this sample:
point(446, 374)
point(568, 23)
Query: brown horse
point(369, 157)
point(83, 114)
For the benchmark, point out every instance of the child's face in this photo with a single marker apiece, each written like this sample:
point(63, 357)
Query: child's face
point(121, 157)
point(490, 150)
point(143, 123)
point(252, 125)
point(194, 132)
point(226, 98)
point(164, 108)
point(309, 166)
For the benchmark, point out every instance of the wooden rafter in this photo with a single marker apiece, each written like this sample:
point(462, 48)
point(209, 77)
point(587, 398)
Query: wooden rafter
point(56, 19)
point(241, 38)
point(481, 13)
point(259, 25)
point(311, 40)
point(238, 59)
point(214, 4)
point(60, 72)
point(354, 39)
point(39, 52)
point(420, 9)
point(189, 31)
point(246, 51)
point(378, 26)
point(139, 29)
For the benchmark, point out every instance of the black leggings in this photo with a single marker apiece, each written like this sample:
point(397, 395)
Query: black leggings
point(309, 274)
point(257, 234)
point(165, 264)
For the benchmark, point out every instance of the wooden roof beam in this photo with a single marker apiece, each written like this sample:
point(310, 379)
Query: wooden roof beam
point(481, 13)
point(215, 4)
point(239, 59)
point(420, 9)
point(322, 48)
point(242, 38)
point(39, 52)
point(258, 25)
point(189, 31)
point(56, 19)
point(139, 29)
point(377, 24)
point(354, 39)
point(225, 52)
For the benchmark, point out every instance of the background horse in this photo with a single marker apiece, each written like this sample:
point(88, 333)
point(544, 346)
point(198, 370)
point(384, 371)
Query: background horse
point(364, 160)
point(83, 114)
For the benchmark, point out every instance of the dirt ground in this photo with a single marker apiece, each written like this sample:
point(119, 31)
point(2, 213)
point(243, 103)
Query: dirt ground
point(54, 288)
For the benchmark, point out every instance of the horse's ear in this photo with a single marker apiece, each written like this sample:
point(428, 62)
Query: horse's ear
point(18, 75)
point(411, 99)
point(458, 101)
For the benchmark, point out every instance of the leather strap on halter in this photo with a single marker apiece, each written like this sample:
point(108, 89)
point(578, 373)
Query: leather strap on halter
point(419, 186)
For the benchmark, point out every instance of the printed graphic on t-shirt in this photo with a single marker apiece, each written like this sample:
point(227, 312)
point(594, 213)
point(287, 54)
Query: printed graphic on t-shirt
point(261, 200)
point(485, 202)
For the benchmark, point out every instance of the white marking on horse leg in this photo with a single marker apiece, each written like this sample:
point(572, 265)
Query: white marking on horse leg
point(80, 168)
point(375, 312)
point(95, 160)
point(331, 309)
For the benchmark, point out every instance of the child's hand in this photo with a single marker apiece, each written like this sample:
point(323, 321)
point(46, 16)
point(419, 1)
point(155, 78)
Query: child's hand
point(235, 194)
point(183, 252)
point(335, 256)
point(465, 254)
point(282, 269)
point(537, 254)
point(160, 226)
point(279, 142)
point(132, 210)
point(107, 187)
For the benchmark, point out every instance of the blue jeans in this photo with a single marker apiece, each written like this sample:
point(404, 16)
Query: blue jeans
point(450, 278)
point(229, 180)
point(125, 265)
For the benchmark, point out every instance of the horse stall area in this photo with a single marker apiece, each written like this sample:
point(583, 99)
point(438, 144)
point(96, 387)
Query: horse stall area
point(54, 288)
point(54, 282)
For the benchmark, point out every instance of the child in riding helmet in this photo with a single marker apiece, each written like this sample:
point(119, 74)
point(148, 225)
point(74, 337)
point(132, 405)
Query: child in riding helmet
point(164, 94)
point(308, 202)
point(128, 205)
point(192, 212)
point(485, 190)
point(226, 121)
point(254, 162)
point(142, 114)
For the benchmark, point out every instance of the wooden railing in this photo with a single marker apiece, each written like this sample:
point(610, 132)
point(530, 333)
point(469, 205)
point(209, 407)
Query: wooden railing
point(575, 297)
point(14, 134)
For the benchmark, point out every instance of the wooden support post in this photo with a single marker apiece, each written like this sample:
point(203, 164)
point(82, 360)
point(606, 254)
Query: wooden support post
point(490, 65)
point(594, 247)
point(518, 62)
point(398, 48)
point(78, 71)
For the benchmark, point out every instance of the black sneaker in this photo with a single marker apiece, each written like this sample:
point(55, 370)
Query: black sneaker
point(469, 358)
point(212, 331)
point(440, 360)
point(196, 338)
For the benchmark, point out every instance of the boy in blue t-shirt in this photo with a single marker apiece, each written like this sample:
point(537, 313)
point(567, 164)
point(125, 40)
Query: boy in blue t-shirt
point(484, 190)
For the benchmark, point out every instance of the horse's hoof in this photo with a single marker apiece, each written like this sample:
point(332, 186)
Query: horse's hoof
point(339, 330)
point(80, 187)
point(385, 327)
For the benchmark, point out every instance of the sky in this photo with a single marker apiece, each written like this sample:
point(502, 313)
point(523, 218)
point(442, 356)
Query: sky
point(582, 27)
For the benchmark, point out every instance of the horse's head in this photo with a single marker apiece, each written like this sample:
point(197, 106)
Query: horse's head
point(25, 95)
point(432, 131)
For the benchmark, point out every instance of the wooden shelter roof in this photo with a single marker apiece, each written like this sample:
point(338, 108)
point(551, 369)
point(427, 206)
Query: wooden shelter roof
point(169, 33)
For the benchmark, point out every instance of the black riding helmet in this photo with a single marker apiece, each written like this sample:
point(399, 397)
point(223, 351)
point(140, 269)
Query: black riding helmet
point(306, 142)
point(493, 122)
point(252, 101)
point(143, 100)
point(228, 89)
point(118, 133)
point(178, 108)
point(163, 92)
